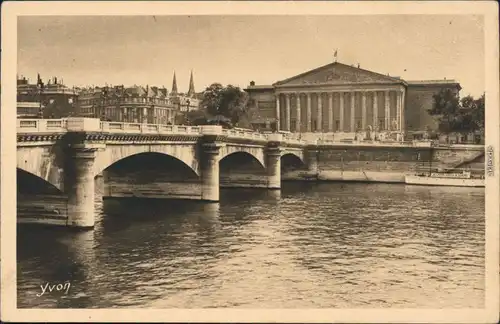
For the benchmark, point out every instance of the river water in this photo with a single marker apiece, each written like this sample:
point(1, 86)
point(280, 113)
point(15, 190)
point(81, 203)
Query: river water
point(313, 245)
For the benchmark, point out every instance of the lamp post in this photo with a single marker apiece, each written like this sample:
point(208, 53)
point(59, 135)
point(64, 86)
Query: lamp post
point(187, 113)
point(40, 93)
point(103, 103)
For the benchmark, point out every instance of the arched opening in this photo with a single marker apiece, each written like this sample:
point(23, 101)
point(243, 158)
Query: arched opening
point(291, 167)
point(242, 170)
point(150, 175)
point(39, 201)
point(291, 162)
point(30, 184)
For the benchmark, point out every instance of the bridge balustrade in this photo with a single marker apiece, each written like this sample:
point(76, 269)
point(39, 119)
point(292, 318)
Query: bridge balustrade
point(29, 126)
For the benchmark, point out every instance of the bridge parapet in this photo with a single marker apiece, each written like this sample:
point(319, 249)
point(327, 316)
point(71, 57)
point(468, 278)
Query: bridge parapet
point(137, 128)
point(28, 126)
point(239, 133)
point(94, 125)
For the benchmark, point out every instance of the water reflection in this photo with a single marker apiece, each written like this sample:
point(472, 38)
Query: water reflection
point(308, 245)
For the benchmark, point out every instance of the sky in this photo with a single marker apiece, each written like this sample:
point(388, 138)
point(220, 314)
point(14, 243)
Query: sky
point(146, 50)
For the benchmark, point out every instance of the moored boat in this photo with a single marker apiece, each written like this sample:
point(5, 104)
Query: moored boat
point(456, 179)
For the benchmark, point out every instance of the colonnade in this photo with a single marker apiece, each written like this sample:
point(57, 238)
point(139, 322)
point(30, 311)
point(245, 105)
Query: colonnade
point(384, 122)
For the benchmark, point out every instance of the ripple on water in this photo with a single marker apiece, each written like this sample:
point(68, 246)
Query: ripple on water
point(322, 245)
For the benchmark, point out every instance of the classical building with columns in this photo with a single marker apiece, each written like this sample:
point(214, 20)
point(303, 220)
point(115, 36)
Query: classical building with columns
point(338, 98)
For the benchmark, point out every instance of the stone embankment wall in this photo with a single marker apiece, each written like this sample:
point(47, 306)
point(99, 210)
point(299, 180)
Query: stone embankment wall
point(384, 164)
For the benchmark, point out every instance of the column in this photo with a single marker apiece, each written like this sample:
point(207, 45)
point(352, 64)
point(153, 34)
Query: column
point(330, 112)
point(145, 115)
point(210, 172)
point(319, 117)
point(363, 111)
point(273, 167)
point(308, 112)
point(353, 97)
point(403, 122)
point(79, 185)
point(375, 111)
point(398, 110)
point(387, 111)
point(287, 97)
point(278, 112)
point(341, 113)
point(297, 121)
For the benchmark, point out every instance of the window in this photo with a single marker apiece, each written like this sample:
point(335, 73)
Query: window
point(293, 124)
point(313, 125)
point(337, 125)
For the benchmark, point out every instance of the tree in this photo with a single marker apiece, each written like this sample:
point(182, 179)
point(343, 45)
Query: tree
point(476, 111)
point(229, 101)
point(193, 117)
point(458, 115)
point(58, 108)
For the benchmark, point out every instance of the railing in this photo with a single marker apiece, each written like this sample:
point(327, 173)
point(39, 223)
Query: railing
point(373, 143)
point(128, 128)
point(33, 126)
point(241, 133)
point(41, 126)
point(29, 126)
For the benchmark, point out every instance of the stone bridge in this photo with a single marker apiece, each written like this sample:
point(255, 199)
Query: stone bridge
point(59, 161)
point(63, 157)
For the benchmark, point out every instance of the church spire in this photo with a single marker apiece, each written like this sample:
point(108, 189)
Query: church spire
point(191, 92)
point(174, 86)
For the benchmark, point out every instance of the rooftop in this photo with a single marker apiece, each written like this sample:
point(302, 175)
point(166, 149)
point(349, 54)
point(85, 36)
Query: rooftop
point(259, 87)
point(444, 81)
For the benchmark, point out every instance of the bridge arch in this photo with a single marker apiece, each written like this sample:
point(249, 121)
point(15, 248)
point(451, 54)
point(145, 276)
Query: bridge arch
point(291, 161)
point(43, 163)
point(255, 153)
point(186, 154)
point(150, 161)
point(29, 183)
point(290, 154)
point(150, 175)
point(240, 170)
point(241, 159)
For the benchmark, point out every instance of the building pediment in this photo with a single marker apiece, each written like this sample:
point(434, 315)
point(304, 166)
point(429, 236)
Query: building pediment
point(337, 74)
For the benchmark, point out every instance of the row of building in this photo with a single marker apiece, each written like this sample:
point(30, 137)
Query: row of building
point(149, 104)
point(339, 100)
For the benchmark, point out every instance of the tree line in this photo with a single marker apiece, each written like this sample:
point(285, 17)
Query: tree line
point(223, 105)
point(458, 115)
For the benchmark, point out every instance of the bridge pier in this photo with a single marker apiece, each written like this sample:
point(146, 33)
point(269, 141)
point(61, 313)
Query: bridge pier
point(210, 172)
point(312, 161)
point(273, 167)
point(79, 185)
